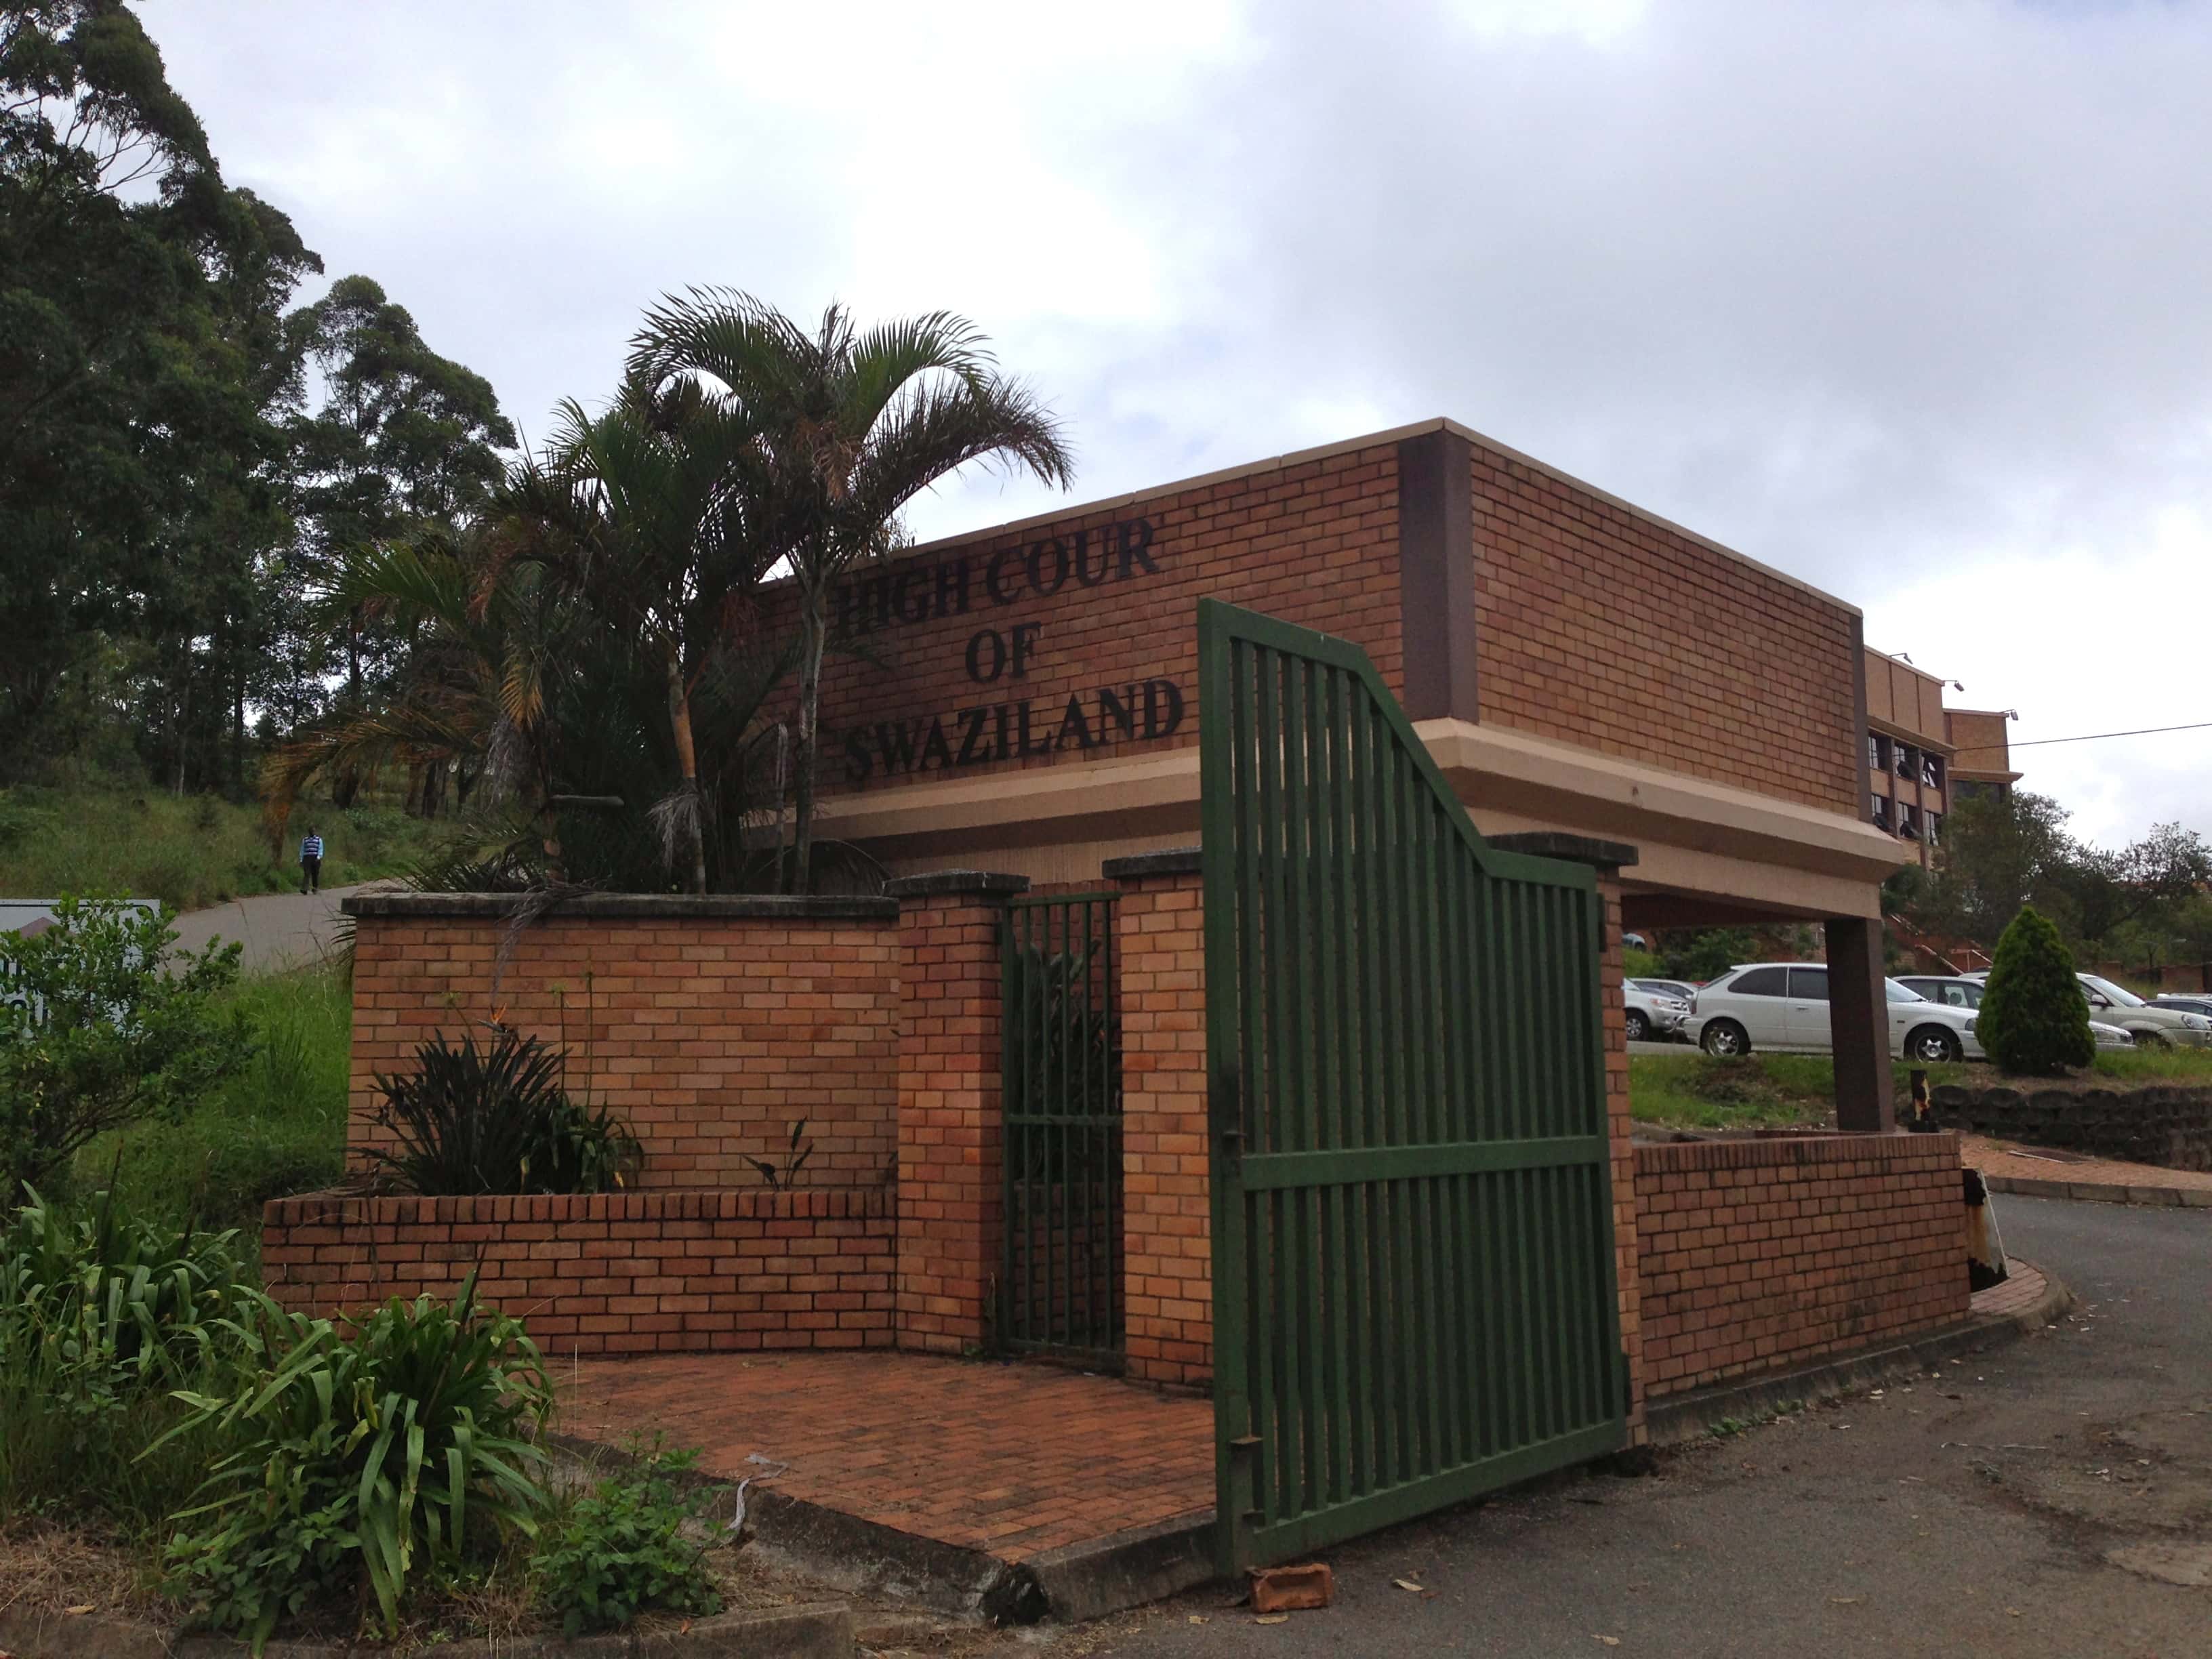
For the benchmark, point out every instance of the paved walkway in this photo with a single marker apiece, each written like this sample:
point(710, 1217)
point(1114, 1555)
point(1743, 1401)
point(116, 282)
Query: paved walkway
point(1013, 1460)
point(2041, 1172)
point(2020, 1292)
point(279, 930)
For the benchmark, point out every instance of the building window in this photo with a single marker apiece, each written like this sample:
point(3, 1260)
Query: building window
point(1879, 813)
point(1907, 825)
point(1875, 763)
point(1932, 770)
point(1908, 760)
point(1934, 828)
point(1967, 789)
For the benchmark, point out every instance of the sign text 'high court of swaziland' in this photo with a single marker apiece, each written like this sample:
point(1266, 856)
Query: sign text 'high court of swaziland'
point(999, 655)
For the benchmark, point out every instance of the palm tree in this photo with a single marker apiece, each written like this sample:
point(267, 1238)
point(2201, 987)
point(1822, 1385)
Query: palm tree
point(667, 545)
point(847, 427)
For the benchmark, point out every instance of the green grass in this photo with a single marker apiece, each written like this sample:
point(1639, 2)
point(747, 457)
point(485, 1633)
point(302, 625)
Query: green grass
point(2149, 1065)
point(277, 1128)
point(1693, 1090)
point(188, 852)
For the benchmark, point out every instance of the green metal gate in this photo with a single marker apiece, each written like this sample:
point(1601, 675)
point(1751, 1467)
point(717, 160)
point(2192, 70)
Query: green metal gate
point(1412, 1197)
point(1060, 1291)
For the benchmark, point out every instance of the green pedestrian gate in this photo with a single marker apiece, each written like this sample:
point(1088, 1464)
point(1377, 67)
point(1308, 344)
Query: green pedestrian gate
point(1413, 1295)
point(1061, 1288)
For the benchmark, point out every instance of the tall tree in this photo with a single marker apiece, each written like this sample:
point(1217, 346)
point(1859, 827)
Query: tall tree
point(402, 438)
point(141, 360)
point(849, 425)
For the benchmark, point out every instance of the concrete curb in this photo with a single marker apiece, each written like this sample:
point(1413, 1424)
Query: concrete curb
point(815, 1632)
point(1126, 1570)
point(1691, 1417)
point(2099, 1191)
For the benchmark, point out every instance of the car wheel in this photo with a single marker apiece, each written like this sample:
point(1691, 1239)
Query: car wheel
point(1932, 1045)
point(2152, 1040)
point(1724, 1039)
point(1640, 1028)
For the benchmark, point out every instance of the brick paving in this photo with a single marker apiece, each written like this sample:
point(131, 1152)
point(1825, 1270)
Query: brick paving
point(2101, 1178)
point(1014, 1459)
point(2022, 1288)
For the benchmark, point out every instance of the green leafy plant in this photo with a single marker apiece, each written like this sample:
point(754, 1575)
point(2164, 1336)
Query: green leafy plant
point(377, 1457)
point(100, 1318)
point(782, 1176)
point(102, 1027)
point(497, 1119)
point(2034, 1020)
point(620, 1551)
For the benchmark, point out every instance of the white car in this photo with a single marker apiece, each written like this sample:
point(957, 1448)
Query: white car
point(1783, 1007)
point(1960, 992)
point(1652, 1015)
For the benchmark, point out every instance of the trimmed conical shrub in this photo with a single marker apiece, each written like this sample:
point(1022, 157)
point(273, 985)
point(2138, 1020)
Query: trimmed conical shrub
point(2034, 1020)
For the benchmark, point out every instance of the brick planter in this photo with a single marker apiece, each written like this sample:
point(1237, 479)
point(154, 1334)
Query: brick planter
point(617, 1273)
point(2166, 1124)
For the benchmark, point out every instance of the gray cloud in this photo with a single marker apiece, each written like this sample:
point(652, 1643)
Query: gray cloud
point(1905, 298)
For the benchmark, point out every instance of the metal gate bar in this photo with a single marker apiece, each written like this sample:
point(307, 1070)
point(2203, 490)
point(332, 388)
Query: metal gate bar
point(1062, 1290)
point(1412, 1213)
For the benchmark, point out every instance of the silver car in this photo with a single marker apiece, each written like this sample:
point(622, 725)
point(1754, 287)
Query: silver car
point(1960, 992)
point(1653, 1015)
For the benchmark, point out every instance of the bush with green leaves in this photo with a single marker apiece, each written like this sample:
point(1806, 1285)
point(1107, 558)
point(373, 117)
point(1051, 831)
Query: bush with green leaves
point(620, 1551)
point(2034, 1020)
point(102, 1027)
point(101, 1319)
point(496, 1120)
point(404, 1452)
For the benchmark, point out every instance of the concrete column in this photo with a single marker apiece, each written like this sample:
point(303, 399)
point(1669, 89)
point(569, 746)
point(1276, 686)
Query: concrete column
point(1159, 951)
point(950, 1131)
point(1858, 1025)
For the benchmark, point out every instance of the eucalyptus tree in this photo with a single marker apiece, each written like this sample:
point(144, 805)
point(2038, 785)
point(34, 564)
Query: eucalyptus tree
point(846, 426)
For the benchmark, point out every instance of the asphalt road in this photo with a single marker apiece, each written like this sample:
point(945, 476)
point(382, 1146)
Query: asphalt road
point(279, 930)
point(2040, 1499)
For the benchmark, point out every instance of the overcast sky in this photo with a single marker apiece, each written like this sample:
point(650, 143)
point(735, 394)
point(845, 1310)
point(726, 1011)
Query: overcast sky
point(1911, 301)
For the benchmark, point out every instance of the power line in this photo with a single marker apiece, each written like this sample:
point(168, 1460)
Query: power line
point(2090, 737)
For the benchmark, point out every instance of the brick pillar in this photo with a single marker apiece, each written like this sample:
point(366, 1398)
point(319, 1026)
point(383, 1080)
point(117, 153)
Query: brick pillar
point(1608, 859)
point(1160, 958)
point(1858, 1020)
point(951, 1200)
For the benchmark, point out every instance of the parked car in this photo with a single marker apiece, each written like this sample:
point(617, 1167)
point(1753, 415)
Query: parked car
point(1783, 1005)
point(2151, 1025)
point(1681, 990)
point(1653, 1015)
point(2182, 1000)
point(1957, 991)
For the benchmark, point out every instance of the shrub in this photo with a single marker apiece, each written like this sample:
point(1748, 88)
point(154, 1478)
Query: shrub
point(620, 1551)
point(99, 1032)
point(395, 1451)
point(100, 1319)
point(497, 1119)
point(2034, 1019)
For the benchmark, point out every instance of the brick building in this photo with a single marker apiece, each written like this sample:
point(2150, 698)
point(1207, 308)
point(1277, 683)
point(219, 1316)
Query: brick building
point(1024, 701)
point(1924, 758)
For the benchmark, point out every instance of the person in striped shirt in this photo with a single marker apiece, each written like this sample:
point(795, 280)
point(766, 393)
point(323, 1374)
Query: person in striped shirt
point(311, 861)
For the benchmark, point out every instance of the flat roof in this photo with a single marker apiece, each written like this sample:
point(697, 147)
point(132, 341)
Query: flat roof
point(1369, 441)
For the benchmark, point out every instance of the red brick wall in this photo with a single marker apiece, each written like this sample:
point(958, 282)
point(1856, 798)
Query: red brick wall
point(1757, 1255)
point(1314, 543)
point(1160, 949)
point(1598, 627)
point(711, 1036)
point(624, 1272)
point(951, 1199)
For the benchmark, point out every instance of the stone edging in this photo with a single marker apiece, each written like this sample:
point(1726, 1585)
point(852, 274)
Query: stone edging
point(1687, 1416)
point(2102, 1192)
point(821, 1631)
